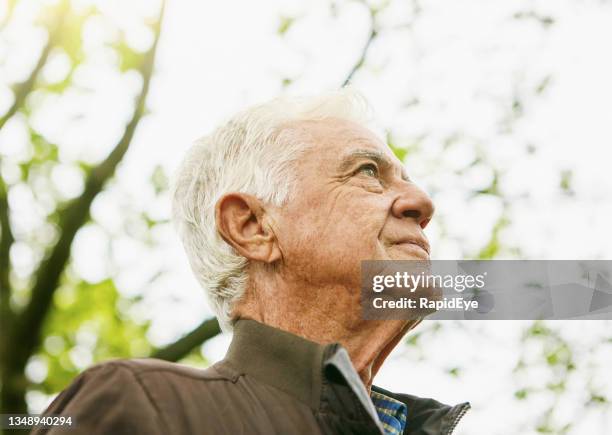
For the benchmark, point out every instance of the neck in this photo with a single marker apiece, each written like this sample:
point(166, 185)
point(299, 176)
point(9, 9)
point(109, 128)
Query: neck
point(370, 347)
point(328, 315)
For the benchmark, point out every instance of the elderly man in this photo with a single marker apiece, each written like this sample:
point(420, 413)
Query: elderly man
point(276, 209)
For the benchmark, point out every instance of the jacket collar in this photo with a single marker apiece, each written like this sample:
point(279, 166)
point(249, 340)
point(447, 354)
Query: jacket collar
point(300, 368)
point(428, 416)
point(293, 364)
point(278, 358)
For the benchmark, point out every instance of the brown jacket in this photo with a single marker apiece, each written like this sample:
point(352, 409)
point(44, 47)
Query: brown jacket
point(270, 382)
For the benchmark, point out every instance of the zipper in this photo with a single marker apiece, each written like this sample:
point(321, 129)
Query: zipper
point(463, 408)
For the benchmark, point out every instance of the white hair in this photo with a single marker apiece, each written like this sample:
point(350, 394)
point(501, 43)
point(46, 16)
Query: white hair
point(250, 153)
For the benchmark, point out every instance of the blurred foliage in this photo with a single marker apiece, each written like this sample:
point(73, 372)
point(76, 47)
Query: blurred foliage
point(284, 25)
point(90, 321)
point(49, 314)
point(83, 310)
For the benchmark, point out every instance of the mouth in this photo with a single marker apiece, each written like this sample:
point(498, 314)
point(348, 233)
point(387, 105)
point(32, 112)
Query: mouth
point(415, 244)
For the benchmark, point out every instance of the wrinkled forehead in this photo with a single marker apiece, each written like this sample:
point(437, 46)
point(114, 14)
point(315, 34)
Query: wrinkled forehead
point(333, 140)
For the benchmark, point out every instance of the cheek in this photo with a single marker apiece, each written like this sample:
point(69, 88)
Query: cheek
point(326, 250)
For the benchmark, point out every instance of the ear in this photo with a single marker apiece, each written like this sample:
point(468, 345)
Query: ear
point(240, 219)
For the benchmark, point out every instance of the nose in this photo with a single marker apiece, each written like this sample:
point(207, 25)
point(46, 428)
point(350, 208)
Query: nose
point(415, 204)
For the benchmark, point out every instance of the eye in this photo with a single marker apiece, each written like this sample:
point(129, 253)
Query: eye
point(369, 169)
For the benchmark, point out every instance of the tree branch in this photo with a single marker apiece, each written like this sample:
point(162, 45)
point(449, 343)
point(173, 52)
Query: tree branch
point(21, 93)
point(181, 347)
point(6, 314)
point(362, 58)
point(364, 52)
point(75, 214)
point(5, 245)
point(23, 89)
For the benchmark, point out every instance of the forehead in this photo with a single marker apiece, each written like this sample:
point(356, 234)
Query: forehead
point(332, 139)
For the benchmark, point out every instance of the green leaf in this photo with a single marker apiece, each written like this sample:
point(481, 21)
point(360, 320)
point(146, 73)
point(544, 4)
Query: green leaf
point(284, 25)
point(454, 372)
point(128, 58)
point(521, 394)
point(566, 181)
point(400, 152)
point(70, 37)
point(159, 179)
point(598, 399)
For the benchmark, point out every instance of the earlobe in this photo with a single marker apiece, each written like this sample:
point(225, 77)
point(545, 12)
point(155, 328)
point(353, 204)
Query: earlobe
point(240, 220)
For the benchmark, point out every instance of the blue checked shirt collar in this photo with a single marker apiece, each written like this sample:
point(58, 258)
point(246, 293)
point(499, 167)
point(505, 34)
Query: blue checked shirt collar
point(392, 413)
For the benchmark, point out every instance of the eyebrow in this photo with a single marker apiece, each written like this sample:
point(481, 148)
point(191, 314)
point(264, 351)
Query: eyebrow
point(367, 154)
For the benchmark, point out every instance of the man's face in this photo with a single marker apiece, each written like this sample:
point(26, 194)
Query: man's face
point(352, 202)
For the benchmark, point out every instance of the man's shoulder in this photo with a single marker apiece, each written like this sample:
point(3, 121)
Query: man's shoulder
point(142, 396)
point(151, 368)
point(149, 381)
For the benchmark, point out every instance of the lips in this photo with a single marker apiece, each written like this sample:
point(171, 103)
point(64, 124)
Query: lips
point(422, 243)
